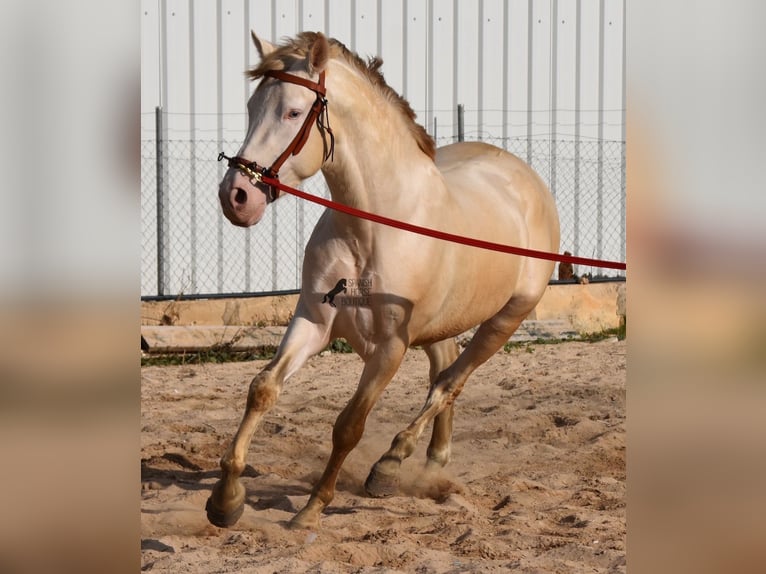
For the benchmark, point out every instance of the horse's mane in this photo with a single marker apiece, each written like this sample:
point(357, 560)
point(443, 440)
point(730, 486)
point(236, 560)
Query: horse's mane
point(295, 49)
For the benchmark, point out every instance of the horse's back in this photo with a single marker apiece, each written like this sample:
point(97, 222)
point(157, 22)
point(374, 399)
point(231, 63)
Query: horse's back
point(455, 153)
point(487, 181)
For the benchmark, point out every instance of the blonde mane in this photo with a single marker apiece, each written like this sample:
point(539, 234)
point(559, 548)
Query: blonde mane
point(297, 49)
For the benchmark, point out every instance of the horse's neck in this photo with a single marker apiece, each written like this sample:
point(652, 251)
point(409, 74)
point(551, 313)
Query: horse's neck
point(378, 165)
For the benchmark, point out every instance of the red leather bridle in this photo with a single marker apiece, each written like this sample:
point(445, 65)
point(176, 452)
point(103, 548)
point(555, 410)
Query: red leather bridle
point(317, 113)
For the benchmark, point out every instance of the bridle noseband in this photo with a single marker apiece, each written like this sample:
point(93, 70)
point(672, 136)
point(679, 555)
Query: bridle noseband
point(317, 113)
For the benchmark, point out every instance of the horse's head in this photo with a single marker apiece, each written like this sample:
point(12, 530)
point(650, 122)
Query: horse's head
point(286, 135)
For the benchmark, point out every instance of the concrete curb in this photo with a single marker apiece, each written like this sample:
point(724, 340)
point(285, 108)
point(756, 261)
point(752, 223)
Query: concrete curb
point(565, 312)
point(195, 339)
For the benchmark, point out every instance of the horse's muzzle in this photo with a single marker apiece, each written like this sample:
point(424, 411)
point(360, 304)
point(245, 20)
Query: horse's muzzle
point(242, 202)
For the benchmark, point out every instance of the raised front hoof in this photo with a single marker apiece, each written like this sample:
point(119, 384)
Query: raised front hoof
point(225, 514)
point(383, 479)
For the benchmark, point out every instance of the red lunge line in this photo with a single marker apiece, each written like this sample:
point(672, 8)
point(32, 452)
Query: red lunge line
point(441, 234)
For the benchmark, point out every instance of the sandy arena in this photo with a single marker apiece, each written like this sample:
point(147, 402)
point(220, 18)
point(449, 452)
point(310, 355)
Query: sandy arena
point(536, 483)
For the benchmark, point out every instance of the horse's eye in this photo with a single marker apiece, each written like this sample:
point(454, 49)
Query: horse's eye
point(292, 114)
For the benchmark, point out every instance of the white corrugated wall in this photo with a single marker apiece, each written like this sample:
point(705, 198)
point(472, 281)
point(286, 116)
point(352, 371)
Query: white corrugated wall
point(540, 74)
point(520, 67)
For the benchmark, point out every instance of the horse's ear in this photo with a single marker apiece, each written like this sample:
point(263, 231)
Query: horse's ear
point(264, 48)
point(320, 53)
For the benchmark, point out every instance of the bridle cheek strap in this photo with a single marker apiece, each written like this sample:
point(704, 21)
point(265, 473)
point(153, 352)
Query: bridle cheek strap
point(317, 114)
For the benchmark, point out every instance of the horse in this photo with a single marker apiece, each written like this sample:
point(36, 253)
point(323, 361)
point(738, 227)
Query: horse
point(319, 106)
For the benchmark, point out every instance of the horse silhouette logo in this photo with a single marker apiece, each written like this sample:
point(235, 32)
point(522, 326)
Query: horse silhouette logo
point(340, 287)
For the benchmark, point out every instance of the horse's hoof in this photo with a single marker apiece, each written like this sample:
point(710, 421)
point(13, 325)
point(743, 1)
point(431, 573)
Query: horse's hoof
point(220, 518)
point(383, 479)
point(304, 521)
point(224, 511)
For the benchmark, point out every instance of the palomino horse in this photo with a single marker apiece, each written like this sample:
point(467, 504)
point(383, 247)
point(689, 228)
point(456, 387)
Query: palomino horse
point(402, 289)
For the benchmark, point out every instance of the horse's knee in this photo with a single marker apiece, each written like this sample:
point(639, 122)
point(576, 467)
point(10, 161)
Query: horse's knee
point(263, 392)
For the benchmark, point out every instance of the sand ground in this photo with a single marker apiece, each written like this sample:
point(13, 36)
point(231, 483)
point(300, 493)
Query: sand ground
point(536, 483)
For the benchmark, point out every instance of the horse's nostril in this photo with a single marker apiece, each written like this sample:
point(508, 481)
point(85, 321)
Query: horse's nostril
point(240, 197)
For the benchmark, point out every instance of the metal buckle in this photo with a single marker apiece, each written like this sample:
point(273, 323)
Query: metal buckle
point(255, 176)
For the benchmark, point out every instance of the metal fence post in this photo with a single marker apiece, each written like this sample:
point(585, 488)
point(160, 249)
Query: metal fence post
point(160, 203)
point(274, 249)
point(460, 123)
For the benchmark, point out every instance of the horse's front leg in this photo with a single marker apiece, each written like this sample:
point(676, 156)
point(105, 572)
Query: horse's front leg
point(302, 340)
point(349, 426)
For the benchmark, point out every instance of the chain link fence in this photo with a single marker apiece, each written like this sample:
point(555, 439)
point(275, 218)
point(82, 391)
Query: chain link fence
point(189, 249)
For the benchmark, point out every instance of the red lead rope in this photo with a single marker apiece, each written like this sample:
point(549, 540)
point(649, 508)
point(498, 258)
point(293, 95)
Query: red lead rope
point(441, 234)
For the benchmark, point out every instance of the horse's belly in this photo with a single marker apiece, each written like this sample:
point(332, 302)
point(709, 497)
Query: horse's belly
point(458, 303)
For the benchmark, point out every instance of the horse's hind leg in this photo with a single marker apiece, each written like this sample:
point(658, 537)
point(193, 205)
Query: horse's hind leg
point(303, 339)
point(441, 355)
point(381, 483)
point(491, 335)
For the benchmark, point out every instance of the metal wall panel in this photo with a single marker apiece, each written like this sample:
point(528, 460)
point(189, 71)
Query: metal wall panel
point(437, 53)
point(545, 79)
